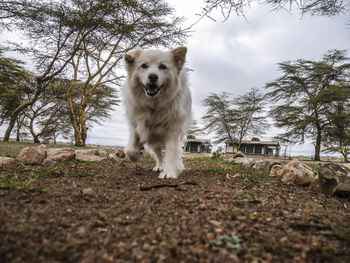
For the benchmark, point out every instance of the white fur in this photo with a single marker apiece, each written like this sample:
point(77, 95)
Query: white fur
point(158, 120)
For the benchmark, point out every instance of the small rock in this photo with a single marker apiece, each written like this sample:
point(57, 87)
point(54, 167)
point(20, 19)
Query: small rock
point(32, 155)
point(275, 169)
point(273, 163)
point(239, 154)
point(88, 191)
point(81, 231)
point(49, 163)
point(334, 179)
point(248, 162)
point(296, 172)
point(6, 161)
point(159, 230)
point(261, 164)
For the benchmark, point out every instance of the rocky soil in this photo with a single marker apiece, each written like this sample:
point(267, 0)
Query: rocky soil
point(117, 211)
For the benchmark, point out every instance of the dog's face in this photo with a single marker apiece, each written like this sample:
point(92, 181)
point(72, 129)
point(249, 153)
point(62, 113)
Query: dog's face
point(153, 70)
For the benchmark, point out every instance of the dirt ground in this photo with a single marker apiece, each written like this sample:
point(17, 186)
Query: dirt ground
point(117, 211)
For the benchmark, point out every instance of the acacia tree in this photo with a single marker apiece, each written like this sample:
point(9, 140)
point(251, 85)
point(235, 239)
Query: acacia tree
point(15, 86)
point(194, 130)
point(46, 112)
point(336, 137)
point(53, 32)
point(98, 107)
point(218, 117)
point(249, 118)
point(125, 25)
point(299, 107)
point(96, 31)
point(234, 119)
point(313, 7)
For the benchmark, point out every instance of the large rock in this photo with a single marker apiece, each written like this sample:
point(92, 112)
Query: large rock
point(296, 172)
point(6, 161)
point(244, 161)
point(91, 155)
point(60, 154)
point(334, 179)
point(32, 155)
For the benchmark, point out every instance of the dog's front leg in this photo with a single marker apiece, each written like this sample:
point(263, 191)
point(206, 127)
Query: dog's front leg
point(133, 150)
point(173, 158)
point(157, 152)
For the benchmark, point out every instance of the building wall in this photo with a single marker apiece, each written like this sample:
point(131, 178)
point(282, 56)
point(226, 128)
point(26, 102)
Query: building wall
point(253, 149)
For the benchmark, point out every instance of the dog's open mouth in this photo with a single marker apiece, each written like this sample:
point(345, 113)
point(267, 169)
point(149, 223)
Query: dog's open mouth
point(152, 90)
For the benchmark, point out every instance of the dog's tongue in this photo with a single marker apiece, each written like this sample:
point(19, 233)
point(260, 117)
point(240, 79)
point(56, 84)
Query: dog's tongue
point(151, 90)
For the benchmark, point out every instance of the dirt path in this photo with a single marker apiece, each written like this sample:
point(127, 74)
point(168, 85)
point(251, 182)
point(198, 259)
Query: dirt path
point(121, 212)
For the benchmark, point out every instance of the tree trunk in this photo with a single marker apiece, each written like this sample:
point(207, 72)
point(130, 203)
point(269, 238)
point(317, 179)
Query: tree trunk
point(10, 127)
point(31, 129)
point(21, 107)
point(77, 133)
point(83, 122)
point(318, 146)
point(36, 139)
point(17, 135)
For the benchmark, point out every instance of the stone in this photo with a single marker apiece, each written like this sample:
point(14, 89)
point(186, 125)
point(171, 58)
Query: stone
point(261, 164)
point(60, 154)
point(334, 179)
point(6, 161)
point(273, 163)
point(244, 161)
point(91, 155)
point(88, 191)
point(32, 155)
point(239, 154)
point(347, 165)
point(296, 172)
point(118, 154)
point(49, 163)
point(275, 169)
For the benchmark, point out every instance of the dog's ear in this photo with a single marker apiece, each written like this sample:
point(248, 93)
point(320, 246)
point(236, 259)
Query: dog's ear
point(130, 58)
point(179, 55)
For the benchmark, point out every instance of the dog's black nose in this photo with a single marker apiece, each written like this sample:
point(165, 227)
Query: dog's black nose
point(153, 78)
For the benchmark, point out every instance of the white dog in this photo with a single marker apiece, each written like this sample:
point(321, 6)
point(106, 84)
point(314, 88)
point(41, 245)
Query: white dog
point(158, 106)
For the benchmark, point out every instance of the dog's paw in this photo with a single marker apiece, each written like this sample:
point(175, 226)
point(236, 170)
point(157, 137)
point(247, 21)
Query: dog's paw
point(170, 175)
point(157, 168)
point(133, 155)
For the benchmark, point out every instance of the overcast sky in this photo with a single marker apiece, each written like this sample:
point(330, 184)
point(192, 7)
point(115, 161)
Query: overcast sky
point(237, 55)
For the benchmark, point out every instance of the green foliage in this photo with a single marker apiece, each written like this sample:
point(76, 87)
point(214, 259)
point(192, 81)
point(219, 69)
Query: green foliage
point(15, 182)
point(304, 95)
point(234, 119)
point(194, 130)
point(15, 86)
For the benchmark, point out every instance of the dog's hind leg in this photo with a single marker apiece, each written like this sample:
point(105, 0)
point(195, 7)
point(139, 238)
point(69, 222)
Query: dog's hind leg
point(133, 150)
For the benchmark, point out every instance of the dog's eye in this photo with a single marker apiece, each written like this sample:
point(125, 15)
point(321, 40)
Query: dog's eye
point(162, 67)
point(144, 65)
